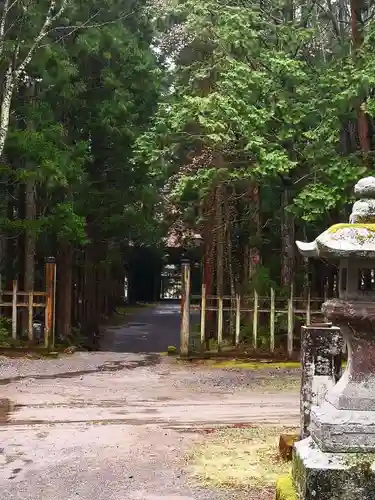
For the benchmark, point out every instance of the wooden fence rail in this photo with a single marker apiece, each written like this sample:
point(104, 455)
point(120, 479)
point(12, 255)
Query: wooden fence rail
point(17, 299)
point(254, 306)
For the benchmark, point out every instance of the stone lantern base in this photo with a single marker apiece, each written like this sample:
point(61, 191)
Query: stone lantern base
point(343, 431)
point(319, 475)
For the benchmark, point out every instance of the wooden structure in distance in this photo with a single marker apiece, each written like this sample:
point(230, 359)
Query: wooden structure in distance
point(31, 300)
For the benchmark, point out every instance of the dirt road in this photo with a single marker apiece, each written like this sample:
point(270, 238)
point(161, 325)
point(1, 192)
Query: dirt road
point(116, 426)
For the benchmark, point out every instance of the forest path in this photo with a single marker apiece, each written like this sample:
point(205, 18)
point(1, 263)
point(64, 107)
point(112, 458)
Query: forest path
point(149, 329)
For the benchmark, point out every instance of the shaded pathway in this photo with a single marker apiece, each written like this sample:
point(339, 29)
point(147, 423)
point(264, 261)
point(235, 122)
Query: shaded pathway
point(150, 329)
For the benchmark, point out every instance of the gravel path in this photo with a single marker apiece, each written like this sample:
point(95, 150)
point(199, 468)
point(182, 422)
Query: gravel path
point(117, 426)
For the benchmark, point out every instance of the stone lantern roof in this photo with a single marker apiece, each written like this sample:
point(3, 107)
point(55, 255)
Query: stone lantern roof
point(356, 239)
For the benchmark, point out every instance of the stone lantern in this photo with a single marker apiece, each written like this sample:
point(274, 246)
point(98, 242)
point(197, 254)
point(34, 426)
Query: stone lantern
point(329, 464)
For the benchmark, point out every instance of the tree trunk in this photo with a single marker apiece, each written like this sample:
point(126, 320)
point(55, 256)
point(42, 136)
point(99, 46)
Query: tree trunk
point(287, 241)
point(11, 244)
point(231, 276)
point(30, 243)
point(253, 255)
point(4, 200)
point(30, 216)
point(356, 10)
point(208, 269)
point(91, 320)
point(64, 290)
point(220, 238)
point(6, 102)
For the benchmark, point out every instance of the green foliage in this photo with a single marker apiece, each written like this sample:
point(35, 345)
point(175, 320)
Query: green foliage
point(127, 108)
point(6, 339)
point(5, 327)
point(261, 282)
point(67, 224)
point(269, 95)
point(95, 86)
point(172, 350)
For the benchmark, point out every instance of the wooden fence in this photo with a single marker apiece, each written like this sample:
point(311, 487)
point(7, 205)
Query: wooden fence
point(28, 301)
point(261, 313)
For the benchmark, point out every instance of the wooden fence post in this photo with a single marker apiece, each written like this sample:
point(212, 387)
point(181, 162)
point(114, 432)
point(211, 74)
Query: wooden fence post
point(1, 293)
point(272, 321)
point(308, 308)
point(290, 322)
point(185, 308)
point(14, 309)
point(203, 316)
point(30, 332)
point(54, 306)
point(255, 320)
point(238, 318)
point(49, 321)
point(220, 323)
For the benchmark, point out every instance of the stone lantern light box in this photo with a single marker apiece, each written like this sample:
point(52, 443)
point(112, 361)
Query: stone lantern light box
point(351, 245)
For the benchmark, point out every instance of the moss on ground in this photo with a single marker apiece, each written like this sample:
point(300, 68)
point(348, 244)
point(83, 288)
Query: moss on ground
point(240, 458)
point(243, 364)
point(254, 365)
point(285, 489)
point(285, 383)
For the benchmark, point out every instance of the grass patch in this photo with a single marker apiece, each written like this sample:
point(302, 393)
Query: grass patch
point(254, 365)
point(251, 364)
point(240, 458)
point(278, 384)
point(285, 489)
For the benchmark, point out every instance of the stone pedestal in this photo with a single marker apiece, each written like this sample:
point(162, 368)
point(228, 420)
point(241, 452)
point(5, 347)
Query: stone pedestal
point(340, 431)
point(356, 319)
point(346, 420)
point(318, 475)
point(321, 359)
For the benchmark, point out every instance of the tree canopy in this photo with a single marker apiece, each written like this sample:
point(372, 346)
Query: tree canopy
point(84, 83)
point(265, 97)
point(245, 121)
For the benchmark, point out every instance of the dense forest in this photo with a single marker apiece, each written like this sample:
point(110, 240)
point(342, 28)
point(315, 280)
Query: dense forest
point(123, 123)
point(266, 127)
